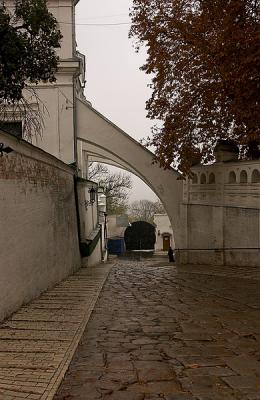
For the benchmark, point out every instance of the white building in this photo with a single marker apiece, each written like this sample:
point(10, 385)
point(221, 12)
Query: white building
point(76, 133)
point(117, 225)
point(215, 216)
point(163, 232)
point(103, 223)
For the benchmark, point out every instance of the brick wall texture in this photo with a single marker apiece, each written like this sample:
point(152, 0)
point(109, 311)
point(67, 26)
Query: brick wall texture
point(38, 235)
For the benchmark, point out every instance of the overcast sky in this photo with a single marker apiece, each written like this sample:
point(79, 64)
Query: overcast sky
point(115, 85)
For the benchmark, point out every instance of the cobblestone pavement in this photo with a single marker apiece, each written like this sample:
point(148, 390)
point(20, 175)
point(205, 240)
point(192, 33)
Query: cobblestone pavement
point(38, 342)
point(157, 332)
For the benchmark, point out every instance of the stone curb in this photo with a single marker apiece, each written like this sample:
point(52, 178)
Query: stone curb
point(86, 296)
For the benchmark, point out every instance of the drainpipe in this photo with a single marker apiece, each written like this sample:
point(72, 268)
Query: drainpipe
point(75, 124)
point(74, 54)
point(77, 207)
point(101, 242)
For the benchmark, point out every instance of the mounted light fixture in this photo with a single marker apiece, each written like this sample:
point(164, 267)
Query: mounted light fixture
point(92, 198)
point(5, 149)
point(92, 193)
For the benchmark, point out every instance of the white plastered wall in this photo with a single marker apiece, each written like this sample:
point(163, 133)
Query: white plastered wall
point(163, 228)
point(104, 139)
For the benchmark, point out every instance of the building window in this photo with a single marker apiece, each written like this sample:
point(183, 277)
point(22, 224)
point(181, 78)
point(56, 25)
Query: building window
point(255, 176)
point(212, 178)
point(243, 177)
point(203, 179)
point(194, 179)
point(14, 128)
point(232, 177)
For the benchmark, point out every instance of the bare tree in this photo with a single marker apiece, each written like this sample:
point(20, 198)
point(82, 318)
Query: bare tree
point(96, 171)
point(116, 186)
point(144, 210)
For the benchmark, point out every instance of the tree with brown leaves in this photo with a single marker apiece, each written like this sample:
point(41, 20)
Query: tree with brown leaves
point(204, 57)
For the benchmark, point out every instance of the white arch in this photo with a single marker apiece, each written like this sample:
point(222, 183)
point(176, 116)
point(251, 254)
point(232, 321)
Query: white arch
point(104, 141)
point(104, 156)
point(101, 159)
point(109, 157)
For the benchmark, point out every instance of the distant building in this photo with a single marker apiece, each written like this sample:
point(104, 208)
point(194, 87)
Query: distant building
point(163, 232)
point(117, 224)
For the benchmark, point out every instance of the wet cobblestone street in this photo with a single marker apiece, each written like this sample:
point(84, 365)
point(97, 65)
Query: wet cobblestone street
point(158, 332)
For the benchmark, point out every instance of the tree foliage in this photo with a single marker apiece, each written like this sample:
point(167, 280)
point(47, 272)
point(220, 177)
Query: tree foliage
point(28, 40)
point(144, 210)
point(204, 58)
point(116, 187)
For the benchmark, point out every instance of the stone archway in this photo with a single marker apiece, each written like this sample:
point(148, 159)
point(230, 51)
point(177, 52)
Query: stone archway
point(105, 142)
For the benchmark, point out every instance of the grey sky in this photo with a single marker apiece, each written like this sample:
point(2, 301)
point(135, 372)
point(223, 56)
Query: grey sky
point(115, 85)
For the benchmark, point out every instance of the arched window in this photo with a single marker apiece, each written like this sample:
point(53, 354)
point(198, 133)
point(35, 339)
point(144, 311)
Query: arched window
point(232, 177)
point(255, 176)
point(243, 177)
point(212, 178)
point(194, 179)
point(202, 179)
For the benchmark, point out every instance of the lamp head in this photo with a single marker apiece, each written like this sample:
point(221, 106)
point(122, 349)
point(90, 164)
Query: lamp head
point(92, 193)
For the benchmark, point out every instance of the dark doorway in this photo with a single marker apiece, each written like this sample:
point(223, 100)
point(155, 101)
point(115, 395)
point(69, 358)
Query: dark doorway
point(140, 236)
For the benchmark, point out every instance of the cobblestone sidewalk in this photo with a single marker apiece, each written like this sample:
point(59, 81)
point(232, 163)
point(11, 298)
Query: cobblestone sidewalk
point(38, 342)
point(159, 333)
